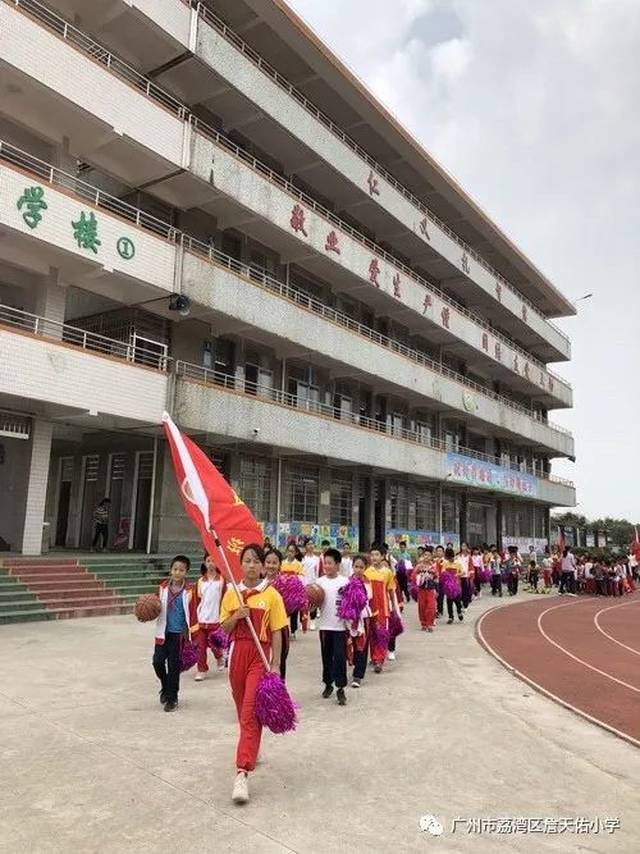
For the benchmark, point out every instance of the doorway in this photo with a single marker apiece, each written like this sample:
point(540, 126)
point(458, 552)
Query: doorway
point(65, 482)
point(141, 500)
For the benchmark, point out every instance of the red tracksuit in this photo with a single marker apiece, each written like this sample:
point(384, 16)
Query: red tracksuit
point(427, 607)
point(245, 664)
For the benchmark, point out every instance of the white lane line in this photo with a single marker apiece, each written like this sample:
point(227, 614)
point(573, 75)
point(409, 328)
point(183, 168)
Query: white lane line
point(545, 691)
point(611, 637)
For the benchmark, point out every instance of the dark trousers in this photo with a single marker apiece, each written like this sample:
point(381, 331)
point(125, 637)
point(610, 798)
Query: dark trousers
point(284, 652)
point(293, 622)
point(477, 581)
point(403, 584)
point(566, 582)
point(533, 578)
point(496, 584)
point(440, 602)
point(101, 532)
point(512, 583)
point(466, 591)
point(360, 656)
point(458, 601)
point(166, 663)
point(333, 646)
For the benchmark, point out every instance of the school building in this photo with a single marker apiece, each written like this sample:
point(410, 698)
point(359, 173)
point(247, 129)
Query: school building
point(202, 210)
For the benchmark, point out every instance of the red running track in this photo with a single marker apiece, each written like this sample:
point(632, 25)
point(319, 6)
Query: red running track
point(582, 652)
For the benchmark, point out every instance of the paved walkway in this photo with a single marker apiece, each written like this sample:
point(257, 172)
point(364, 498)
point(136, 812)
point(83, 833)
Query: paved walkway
point(90, 763)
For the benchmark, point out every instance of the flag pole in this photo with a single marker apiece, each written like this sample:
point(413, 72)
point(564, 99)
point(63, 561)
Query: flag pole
point(236, 589)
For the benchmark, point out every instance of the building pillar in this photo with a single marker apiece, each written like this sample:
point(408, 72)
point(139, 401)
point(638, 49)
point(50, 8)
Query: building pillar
point(324, 491)
point(41, 434)
point(499, 524)
point(463, 517)
point(50, 302)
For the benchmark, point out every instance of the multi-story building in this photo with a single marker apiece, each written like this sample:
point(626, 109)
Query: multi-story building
point(206, 212)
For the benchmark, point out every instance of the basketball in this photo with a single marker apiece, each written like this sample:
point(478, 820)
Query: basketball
point(315, 594)
point(147, 607)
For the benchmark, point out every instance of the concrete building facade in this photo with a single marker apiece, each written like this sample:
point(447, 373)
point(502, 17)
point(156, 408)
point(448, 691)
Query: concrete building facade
point(365, 353)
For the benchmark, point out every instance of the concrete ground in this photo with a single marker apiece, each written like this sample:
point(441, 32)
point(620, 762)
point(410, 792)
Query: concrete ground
point(91, 763)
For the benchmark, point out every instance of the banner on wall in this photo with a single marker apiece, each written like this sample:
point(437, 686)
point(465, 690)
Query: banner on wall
point(485, 475)
point(297, 532)
point(524, 543)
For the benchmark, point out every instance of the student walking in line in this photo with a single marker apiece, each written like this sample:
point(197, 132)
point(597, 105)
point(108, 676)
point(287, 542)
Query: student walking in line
point(209, 590)
point(333, 629)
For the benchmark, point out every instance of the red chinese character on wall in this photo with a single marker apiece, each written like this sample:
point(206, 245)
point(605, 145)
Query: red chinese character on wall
point(297, 220)
point(465, 263)
point(424, 231)
point(499, 291)
point(331, 244)
point(372, 181)
point(498, 350)
point(485, 342)
point(374, 272)
point(516, 366)
point(524, 313)
point(396, 286)
point(427, 303)
point(445, 314)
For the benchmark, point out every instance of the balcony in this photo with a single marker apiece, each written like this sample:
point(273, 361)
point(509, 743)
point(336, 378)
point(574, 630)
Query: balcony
point(216, 404)
point(240, 190)
point(69, 374)
point(213, 279)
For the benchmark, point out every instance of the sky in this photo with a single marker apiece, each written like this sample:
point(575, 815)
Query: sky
point(533, 108)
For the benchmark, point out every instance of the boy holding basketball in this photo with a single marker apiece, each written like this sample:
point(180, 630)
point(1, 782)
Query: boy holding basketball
point(333, 629)
point(176, 621)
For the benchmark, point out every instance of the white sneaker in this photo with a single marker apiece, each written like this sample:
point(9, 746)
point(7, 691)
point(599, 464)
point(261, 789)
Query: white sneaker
point(312, 626)
point(220, 667)
point(392, 656)
point(355, 684)
point(240, 794)
point(200, 677)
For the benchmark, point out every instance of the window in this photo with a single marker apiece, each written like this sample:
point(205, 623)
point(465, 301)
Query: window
point(450, 514)
point(425, 510)
point(301, 495)
point(399, 501)
point(220, 459)
point(424, 430)
point(341, 491)
point(342, 407)
point(255, 486)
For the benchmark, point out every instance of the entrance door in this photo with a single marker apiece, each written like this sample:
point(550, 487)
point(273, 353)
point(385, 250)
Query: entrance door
point(379, 512)
point(89, 498)
point(64, 500)
point(141, 500)
point(115, 487)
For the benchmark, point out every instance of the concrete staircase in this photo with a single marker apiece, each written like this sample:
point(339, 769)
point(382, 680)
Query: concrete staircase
point(53, 588)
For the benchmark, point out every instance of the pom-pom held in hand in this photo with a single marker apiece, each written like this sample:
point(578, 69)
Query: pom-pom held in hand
point(413, 591)
point(450, 585)
point(379, 635)
point(188, 655)
point(315, 595)
point(354, 599)
point(292, 591)
point(274, 707)
point(218, 641)
point(147, 608)
point(395, 625)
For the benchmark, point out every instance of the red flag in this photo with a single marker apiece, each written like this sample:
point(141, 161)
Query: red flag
point(561, 541)
point(635, 545)
point(214, 507)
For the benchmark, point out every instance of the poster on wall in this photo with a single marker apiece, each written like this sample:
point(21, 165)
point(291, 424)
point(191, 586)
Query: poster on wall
point(489, 476)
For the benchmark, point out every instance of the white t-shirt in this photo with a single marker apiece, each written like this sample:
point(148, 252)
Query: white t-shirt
point(346, 567)
point(329, 621)
point(311, 565)
point(210, 592)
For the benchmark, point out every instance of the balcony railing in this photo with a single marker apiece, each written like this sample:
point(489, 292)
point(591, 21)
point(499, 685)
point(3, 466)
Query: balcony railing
point(149, 357)
point(98, 53)
point(218, 24)
point(221, 380)
point(52, 175)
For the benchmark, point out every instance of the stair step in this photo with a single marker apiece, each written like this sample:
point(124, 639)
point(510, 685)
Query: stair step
point(14, 616)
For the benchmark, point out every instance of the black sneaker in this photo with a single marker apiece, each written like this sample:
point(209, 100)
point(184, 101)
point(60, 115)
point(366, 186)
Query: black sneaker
point(171, 705)
point(449, 621)
point(328, 691)
point(460, 617)
point(342, 697)
point(163, 697)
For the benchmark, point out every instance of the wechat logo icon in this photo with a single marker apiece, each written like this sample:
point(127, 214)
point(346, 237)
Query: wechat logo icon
point(430, 824)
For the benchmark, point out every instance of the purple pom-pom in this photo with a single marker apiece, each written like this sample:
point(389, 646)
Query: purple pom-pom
point(413, 591)
point(450, 585)
point(188, 655)
point(401, 567)
point(379, 635)
point(485, 575)
point(395, 625)
point(354, 599)
point(218, 641)
point(292, 591)
point(274, 707)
